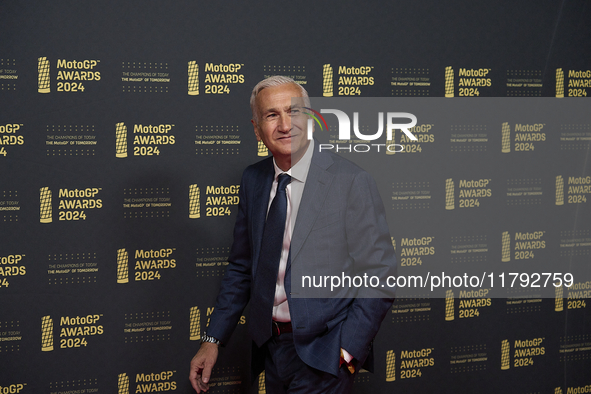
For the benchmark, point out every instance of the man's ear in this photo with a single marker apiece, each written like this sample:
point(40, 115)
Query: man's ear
point(256, 129)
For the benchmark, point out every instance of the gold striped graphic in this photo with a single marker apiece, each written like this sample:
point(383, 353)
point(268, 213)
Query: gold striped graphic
point(123, 384)
point(121, 140)
point(262, 386)
point(449, 194)
point(193, 71)
point(262, 149)
point(559, 190)
point(45, 211)
point(505, 354)
point(43, 75)
point(122, 266)
point(449, 305)
point(390, 366)
point(327, 86)
point(449, 81)
point(506, 138)
point(195, 324)
point(46, 334)
point(194, 202)
point(391, 143)
point(559, 299)
point(506, 247)
point(559, 83)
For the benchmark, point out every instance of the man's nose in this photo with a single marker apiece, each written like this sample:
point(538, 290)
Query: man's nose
point(285, 123)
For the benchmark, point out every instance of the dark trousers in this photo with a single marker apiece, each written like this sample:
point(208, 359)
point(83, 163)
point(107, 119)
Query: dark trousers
point(286, 373)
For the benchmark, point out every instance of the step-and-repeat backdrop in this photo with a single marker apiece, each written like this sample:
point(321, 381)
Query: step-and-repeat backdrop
point(124, 129)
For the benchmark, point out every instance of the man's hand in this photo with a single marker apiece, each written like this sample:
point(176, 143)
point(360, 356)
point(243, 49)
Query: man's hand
point(201, 366)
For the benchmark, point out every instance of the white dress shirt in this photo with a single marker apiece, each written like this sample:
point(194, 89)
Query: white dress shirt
point(294, 191)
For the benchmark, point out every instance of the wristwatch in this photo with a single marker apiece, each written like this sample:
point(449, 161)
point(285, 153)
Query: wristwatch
point(207, 338)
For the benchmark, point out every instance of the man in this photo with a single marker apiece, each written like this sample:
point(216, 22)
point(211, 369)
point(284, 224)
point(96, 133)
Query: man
point(335, 218)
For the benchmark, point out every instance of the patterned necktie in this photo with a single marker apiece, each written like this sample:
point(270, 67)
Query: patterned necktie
point(263, 293)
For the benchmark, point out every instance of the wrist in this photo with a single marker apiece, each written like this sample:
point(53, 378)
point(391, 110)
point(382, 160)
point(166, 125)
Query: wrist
point(209, 339)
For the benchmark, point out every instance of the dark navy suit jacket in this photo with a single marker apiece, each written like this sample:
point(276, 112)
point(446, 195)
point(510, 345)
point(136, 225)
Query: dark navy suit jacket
point(341, 222)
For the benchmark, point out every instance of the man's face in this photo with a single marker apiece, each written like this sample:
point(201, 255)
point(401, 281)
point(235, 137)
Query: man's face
point(281, 124)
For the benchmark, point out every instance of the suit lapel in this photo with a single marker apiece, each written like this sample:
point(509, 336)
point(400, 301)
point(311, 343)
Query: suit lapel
point(318, 184)
point(263, 181)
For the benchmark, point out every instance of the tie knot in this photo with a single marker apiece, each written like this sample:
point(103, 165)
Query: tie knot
point(282, 181)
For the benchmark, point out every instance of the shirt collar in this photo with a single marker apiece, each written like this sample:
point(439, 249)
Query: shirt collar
point(299, 171)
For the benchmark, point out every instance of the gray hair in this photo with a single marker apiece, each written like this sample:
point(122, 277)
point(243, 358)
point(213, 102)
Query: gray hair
point(276, 80)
